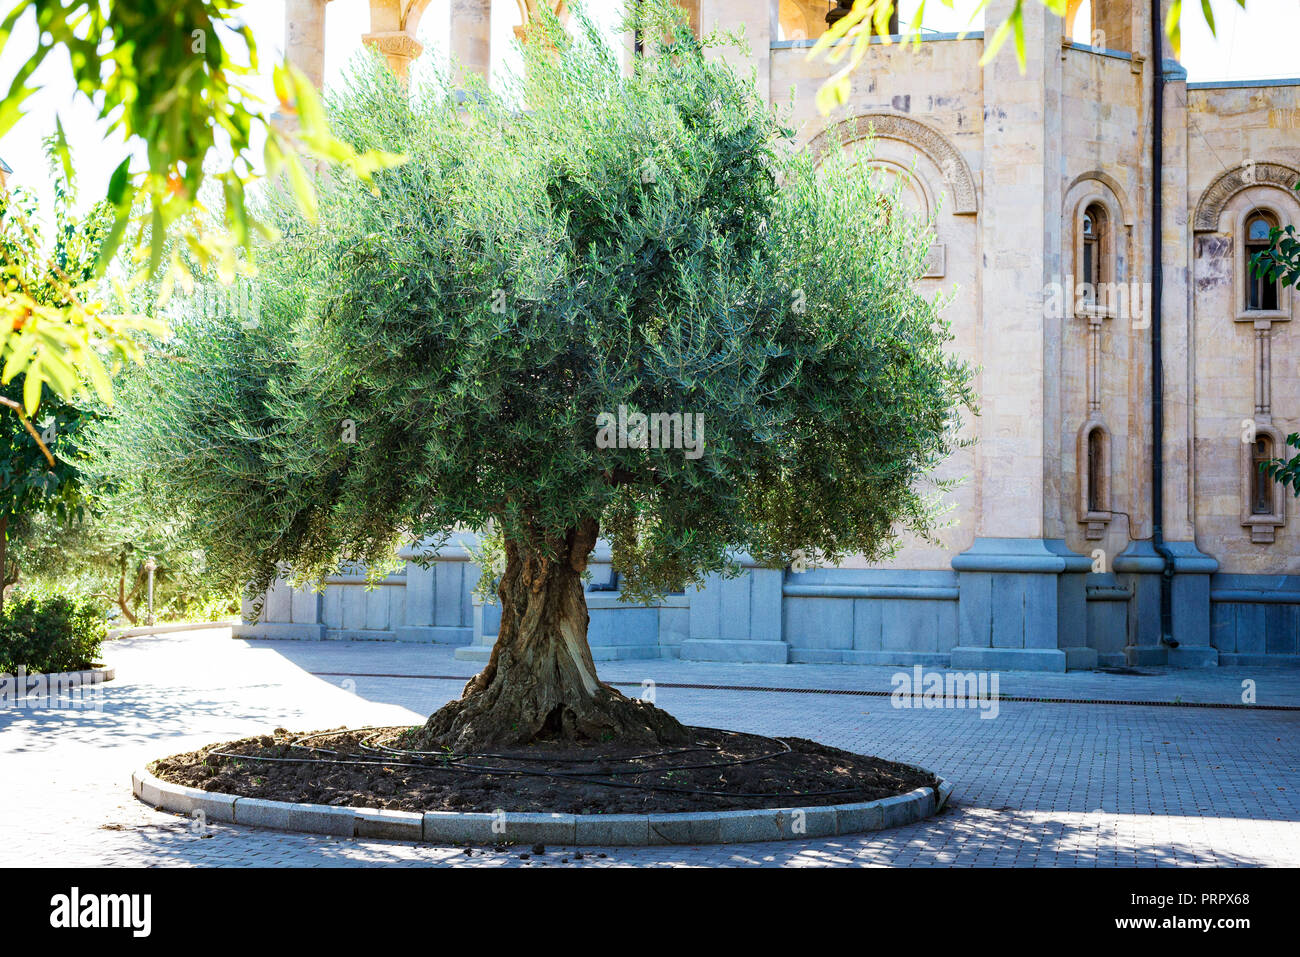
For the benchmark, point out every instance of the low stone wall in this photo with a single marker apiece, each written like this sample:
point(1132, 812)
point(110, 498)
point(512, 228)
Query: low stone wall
point(1004, 604)
point(1256, 619)
point(137, 631)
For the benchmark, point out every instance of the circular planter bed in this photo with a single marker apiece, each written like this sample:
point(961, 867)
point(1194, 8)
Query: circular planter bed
point(725, 787)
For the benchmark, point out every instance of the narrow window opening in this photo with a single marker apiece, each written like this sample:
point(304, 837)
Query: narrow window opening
point(1261, 294)
point(1093, 265)
point(1095, 471)
point(1261, 485)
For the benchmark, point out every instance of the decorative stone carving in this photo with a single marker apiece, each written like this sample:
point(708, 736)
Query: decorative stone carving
point(936, 262)
point(891, 126)
point(398, 43)
point(1234, 181)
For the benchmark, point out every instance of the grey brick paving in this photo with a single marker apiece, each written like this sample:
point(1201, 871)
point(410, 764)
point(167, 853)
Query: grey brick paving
point(1042, 784)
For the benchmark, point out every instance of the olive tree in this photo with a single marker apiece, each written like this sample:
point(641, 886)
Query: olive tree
point(473, 343)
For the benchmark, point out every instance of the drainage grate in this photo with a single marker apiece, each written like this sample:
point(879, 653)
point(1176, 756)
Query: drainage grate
point(855, 692)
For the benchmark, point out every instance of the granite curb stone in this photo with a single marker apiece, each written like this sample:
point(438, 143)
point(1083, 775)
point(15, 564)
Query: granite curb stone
point(607, 830)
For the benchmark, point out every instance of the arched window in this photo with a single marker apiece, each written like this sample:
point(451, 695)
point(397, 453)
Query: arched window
point(1261, 484)
point(1093, 264)
point(1261, 293)
point(1092, 471)
point(1096, 473)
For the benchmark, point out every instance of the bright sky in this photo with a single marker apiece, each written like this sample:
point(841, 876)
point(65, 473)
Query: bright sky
point(1257, 44)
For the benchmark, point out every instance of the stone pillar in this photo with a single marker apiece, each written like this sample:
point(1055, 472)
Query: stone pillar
point(392, 33)
point(1114, 20)
point(1072, 608)
point(738, 619)
point(304, 37)
point(1176, 327)
point(1019, 230)
point(1140, 569)
point(732, 16)
point(471, 38)
point(1014, 610)
point(1008, 609)
point(1192, 568)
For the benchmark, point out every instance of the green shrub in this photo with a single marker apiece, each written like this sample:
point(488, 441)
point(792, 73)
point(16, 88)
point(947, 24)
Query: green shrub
point(50, 634)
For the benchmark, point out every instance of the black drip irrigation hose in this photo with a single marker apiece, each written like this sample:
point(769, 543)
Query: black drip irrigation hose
point(583, 777)
point(364, 744)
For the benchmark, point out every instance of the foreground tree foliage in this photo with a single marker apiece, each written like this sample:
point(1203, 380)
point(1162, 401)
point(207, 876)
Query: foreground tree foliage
point(180, 76)
point(438, 355)
point(39, 480)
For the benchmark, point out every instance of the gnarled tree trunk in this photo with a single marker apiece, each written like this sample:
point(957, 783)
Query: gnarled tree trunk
point(540, 683)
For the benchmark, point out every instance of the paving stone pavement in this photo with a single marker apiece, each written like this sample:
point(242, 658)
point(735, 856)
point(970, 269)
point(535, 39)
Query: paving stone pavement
point(1042, 784)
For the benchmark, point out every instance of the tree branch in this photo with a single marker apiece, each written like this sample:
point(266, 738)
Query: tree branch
point(5, 400)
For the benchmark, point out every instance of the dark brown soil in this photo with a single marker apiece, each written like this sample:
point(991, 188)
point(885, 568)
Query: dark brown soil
point(722, 770)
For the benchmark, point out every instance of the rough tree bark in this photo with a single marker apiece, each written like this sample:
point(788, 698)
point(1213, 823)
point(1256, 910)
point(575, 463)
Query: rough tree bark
point(123, 598)
point(540, 683)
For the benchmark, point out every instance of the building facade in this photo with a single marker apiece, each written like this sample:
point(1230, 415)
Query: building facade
point(1042, 189)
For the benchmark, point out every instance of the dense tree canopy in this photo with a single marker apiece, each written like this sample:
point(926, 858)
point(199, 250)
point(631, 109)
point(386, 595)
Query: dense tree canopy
point(440, 353)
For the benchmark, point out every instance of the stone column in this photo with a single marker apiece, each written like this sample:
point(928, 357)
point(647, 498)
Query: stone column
point(1139, 567)
point(304, 37)
point(471, 38)
point(1019, 229)
point(1192, 567)
point(1114, 21)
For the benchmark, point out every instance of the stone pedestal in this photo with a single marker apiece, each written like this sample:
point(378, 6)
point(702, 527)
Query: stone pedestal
point(1140, 567)
point(1191, 607)
point(1009, 608)
point(738, 619)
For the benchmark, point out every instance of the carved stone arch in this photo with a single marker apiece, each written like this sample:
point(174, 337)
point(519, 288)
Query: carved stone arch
point(913, 182)
point(414, 11)
point(530, 9)
point(1120, 199)
point(1233, 181)
point(924, 139)
point(394, 16)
